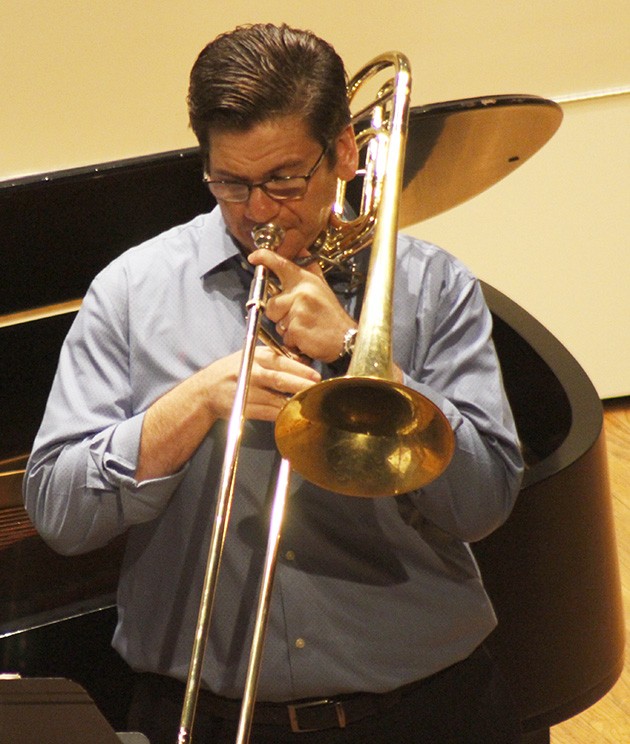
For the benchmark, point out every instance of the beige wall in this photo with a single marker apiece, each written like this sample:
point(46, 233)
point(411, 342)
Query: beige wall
point(86, 82)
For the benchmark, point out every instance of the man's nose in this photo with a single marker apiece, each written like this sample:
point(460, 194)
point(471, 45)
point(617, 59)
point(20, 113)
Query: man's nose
point(260, 206)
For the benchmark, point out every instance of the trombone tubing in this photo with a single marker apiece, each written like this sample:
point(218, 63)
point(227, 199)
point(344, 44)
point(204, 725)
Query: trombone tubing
point(374, 358)
point(255, 305)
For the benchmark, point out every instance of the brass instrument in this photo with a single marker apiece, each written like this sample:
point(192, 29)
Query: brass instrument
point(369, 435)
point(364, 434)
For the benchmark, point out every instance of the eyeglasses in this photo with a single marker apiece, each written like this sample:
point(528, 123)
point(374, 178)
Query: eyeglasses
point(280, 188)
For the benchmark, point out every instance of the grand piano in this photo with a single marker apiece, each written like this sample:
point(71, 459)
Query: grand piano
point(551, 569)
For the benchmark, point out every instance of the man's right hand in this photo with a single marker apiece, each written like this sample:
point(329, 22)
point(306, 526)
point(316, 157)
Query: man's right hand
point(175, 424)
point(274, 378)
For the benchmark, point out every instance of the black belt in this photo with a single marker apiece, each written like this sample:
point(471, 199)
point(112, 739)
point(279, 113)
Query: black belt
point(299, 716)
point(307, 715)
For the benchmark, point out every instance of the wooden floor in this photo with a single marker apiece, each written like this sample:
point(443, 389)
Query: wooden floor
point(609, 719)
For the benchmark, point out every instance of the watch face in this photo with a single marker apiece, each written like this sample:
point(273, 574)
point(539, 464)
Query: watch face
point(348, 341)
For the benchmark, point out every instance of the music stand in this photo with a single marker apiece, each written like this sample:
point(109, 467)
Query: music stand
point(51, 710)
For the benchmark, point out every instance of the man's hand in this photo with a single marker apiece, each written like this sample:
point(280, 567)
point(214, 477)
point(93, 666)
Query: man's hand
point(306, 312)
point(176, 423)
point(274, 378)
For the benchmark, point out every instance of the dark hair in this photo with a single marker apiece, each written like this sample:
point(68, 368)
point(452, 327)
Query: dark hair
point(261, 72)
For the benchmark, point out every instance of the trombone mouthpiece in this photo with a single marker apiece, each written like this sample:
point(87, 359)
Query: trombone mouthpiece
point(268, 236)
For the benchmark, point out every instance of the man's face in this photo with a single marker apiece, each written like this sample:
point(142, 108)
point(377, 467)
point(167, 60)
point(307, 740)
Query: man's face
point(280, 147)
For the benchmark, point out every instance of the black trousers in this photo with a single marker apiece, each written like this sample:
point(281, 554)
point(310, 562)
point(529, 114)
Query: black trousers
point(468, 703)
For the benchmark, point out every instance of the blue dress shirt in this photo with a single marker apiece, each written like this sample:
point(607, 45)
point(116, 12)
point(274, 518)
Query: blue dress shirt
point(369, 593)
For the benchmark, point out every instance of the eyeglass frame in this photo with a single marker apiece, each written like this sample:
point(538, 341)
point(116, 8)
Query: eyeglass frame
point(263, 184)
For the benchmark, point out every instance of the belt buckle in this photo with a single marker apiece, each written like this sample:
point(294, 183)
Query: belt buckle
point(294, 709)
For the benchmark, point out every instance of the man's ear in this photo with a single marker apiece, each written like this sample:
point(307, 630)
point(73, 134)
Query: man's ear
point(347, 155)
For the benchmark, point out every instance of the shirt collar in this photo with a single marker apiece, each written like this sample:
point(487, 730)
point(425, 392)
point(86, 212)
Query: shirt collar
point(218, 246)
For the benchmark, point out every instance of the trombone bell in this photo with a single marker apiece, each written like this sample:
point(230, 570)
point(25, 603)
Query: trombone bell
point(362, 436)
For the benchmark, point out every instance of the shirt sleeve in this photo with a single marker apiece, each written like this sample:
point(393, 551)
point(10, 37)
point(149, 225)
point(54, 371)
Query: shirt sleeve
point(454, 364)
point(80, 489)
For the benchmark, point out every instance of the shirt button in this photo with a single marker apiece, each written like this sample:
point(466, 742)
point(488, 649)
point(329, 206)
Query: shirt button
point(290, 555)
point(300, 643)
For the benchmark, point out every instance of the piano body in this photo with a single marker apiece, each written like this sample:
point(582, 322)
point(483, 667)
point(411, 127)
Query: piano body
point(551, 569)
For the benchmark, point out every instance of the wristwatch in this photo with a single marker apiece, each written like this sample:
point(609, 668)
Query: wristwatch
point(349, 338)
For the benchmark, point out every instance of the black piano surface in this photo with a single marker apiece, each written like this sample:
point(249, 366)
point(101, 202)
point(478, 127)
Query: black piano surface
point(551, 569)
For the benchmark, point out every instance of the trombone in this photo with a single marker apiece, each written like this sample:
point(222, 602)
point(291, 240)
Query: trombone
point(334, 433)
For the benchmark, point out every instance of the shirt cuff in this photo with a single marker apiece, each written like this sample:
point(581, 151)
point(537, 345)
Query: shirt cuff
point(144, 499)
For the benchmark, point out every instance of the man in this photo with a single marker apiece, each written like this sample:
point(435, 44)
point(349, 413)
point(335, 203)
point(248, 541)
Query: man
point(378, 613)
